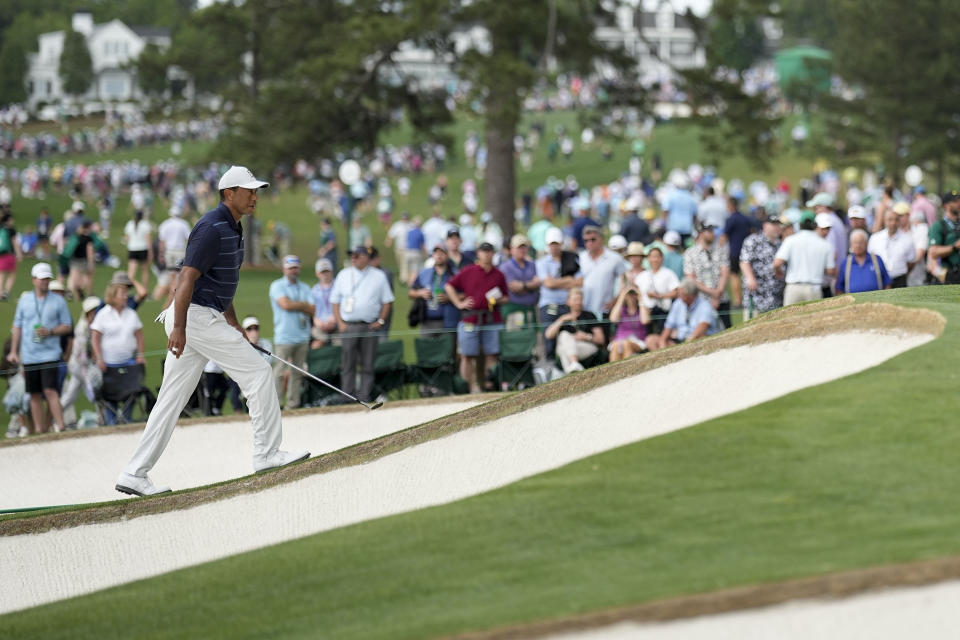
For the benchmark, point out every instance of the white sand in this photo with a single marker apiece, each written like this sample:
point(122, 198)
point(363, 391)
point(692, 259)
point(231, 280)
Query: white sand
point(45, 473)
point(63, 563)
point(927, 612)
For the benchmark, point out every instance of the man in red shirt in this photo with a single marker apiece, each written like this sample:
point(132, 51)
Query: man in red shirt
point(478, 290)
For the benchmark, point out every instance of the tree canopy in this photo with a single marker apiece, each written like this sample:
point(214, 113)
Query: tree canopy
point(76, 67)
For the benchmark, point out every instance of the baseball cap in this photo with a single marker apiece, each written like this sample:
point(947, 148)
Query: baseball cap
point(823, 220)
point(56, 285)
point(704, 226)
point(553, 235)
point(857, 211)
point(453, 231)
point(361, 250)
point(617, 242)
point(464, 218)
point(121, 278)
point(920, 189)
point(291, 261)
point(773, 220)
point(440, 246)
point(77, 205)
point(90, 303)
point(785, 219)
point(250, 321)
point(240, 177)
point(901, 208)
point(950, 196)
point(671, 238)
point(635, 249)
point(821, 200)
point(519, 240)
point(807, 216)
point(486, 216)
point(323, 265)
point(485, 246)
point(42, 271)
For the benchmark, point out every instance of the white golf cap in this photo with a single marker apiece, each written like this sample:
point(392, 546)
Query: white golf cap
point(240, 177)
point(617, 242)
point(90, 303)
point(250, 321)
point(42, 271)
point(554, 235)
point(323, 265)
point(671, 238)
point(77, 206)
point(822, 199)
point(824, 221)
point(56, 285)
point(856, 211)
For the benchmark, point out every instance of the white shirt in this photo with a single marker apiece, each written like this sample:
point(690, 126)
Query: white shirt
point(713, 211)
point(921, 242)
point(434, 232)
point(806, 255)
point(119, 341)
point(897, 250)
point(663, 281)
point(137, 235)
point(600, 278)
point(173, 233)
point(398, 233)
point(360, 294)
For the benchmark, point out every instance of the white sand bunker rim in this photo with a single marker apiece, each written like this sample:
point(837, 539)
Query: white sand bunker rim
point(928, 612)
point(82, 470)
point(63, 563)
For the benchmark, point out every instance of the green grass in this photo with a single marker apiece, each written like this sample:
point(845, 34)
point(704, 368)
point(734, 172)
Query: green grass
point(677, 143)
point(853, 473)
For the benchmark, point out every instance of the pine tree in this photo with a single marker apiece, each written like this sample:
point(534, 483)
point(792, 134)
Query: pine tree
point(76, 67)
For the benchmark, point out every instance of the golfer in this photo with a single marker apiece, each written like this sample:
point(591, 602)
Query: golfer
point(201, 325)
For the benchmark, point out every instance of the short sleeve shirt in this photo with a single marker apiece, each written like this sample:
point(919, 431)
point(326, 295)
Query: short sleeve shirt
point(944, 233)
point(173, 233)
point(600, 278)
point(548, 267)
point(585, 322)
point(50, 312)
point(663, 281)
point(686, 319)
point(290, 327)
point(215, 249)
point(119, 341)
point(706, 265)
point(806, 255)
point(361, 294)
point(474, 282)
point(512, 271)
point(759, 253)
point(137, 234)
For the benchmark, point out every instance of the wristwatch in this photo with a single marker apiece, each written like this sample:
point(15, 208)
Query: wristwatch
point(380, 321)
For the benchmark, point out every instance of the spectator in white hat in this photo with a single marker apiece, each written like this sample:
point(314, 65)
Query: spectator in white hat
point(673, 253)
point(857, 218)
point(324, 323)
point(172, 236)
point(293, 311)
point(558, 272)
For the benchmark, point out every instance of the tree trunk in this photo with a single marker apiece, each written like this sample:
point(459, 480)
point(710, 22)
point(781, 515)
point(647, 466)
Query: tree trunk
point(500, 187)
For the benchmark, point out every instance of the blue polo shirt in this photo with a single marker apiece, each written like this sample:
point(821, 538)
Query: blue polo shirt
point(215, 249)
point(51, 312)
point(290, 327)
point(686, 319)
point(862, 277)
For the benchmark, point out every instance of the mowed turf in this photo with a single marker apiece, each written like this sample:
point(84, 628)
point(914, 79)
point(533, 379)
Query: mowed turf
point(854, 473)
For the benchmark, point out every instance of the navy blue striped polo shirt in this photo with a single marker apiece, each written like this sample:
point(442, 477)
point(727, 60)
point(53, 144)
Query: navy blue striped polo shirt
point(215, 249)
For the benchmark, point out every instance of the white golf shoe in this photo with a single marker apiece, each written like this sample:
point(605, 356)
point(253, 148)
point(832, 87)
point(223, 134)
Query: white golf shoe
point(278, 459)
point(137, 486)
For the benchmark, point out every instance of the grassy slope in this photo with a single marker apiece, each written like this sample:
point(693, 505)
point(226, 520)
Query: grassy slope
point(849, 474)
point(677, 144)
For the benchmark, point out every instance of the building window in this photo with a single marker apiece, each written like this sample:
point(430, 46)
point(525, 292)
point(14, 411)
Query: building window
point(681, 49)
point(30, 88)
point(49, 88)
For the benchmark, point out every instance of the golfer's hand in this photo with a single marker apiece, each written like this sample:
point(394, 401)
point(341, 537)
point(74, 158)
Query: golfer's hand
point(177, 341)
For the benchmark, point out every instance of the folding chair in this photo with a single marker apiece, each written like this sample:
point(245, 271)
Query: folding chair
point(122, 397)
point(325, 364)
point(515, 370)
point(390, 373)
point(434, 369)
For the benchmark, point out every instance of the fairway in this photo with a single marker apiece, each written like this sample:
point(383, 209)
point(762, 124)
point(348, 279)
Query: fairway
point(796, 486)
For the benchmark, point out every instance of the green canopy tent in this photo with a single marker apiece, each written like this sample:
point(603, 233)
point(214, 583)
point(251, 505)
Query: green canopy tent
point(803, 66)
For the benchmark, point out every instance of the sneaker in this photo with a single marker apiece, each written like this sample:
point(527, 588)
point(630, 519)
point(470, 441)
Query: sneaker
point(137, 486)
point(278, 459)
point(24, 432)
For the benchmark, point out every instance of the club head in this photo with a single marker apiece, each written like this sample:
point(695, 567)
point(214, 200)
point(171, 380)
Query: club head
point(375, 405)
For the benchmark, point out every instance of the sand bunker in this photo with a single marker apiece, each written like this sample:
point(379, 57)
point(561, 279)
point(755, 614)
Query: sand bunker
point(48, 472)
point(62, 563)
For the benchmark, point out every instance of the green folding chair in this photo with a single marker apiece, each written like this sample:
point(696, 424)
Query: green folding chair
point(434, 369)
point(389, 371)
point(515, 370)
point(325, 364)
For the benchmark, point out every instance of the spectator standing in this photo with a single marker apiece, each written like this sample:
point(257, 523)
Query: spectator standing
point(945, 238)
point(293, 311)
point(658, 289)
point(397, 238)
point(857, 217)
point(376, 263)
point(602, 269)
point(328, 244)
point(673, 253)
point(578, 333)
point(633, 227)
point(581, 222)
point(172, 235)
point(414, 252)
point(360, 235)
point(467, 234)
point(764, 291)
point(44, 229)
point(522, 281)
point(479, 290)
point(44, 318)
point(713, 210)
point(80, 256)
point(489, 231)
point(823, 205)
point(922, 204)
point(136, 236)
point(736, 229)
point(116, 337)
point(84, 373)
point(895, 247)
point(680, 207)
point(10, 254)
point(706, 263)
point(441, 316)
point(324, 322)
point(361, 301)
point(920, 232)
point(434, 231)
point(804, 258)
point(691, 317)
point(557, 276)
point(861, 271)
point(457, 256)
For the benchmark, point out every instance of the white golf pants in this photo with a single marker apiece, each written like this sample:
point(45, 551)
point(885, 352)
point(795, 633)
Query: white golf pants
point(209, 337)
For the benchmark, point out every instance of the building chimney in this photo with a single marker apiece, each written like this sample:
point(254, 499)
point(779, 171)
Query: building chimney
point(82, 23)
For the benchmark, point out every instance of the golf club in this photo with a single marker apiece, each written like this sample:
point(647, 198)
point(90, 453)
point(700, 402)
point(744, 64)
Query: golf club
point(371, 407)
